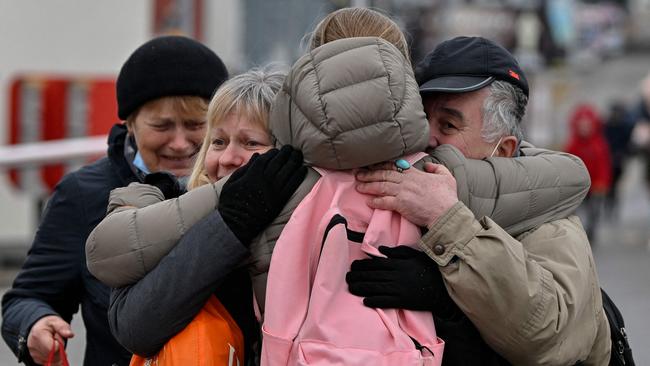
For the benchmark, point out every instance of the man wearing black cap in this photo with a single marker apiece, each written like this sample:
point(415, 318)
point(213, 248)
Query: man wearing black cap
point(163, 90)
point(533, 298)
point(475, 95)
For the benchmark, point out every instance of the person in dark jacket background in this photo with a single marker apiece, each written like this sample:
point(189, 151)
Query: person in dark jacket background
point(163, 90)
point(618, 132)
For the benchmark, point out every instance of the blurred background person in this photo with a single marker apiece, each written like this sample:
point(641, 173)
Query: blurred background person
point(587, 141)
point(618, 130)
point(641, 132)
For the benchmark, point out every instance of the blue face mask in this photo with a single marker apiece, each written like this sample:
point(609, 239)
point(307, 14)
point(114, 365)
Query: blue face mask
point(139, 163)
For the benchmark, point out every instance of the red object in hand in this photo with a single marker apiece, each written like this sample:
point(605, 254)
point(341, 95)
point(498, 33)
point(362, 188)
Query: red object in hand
point(62, 356)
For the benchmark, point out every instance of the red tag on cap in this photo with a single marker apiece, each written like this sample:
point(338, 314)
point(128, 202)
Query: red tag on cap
point(513, 74)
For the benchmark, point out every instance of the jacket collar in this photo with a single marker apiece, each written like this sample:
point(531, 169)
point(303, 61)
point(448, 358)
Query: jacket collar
point(117, 140)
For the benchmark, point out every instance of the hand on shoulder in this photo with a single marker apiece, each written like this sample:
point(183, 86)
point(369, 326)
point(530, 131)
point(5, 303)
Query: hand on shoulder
point(420, 196)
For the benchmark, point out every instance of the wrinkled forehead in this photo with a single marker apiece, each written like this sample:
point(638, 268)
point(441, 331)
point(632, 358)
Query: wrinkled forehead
point(463, 103)
point(241, 111)
point(239, 121)
point(172, 107)
point(438, 103)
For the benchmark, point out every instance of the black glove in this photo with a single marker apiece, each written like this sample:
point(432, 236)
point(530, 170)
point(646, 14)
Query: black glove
point(166, 182)
point(407, 279)
point(256, 192)
point(464, 345)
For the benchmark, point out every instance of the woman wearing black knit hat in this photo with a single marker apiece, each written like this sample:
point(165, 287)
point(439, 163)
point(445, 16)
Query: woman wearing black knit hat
point(163, 91)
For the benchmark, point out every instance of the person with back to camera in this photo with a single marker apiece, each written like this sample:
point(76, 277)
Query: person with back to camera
point(532, 294)
point(103, 254)
point(162, 94)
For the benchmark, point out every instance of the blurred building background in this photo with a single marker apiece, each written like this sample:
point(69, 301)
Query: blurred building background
point(59, 58)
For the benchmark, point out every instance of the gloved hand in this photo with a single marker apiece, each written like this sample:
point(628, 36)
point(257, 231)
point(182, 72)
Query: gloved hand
point(406, 279)
point(166, 182)
point(256, 192)
point(464, 345)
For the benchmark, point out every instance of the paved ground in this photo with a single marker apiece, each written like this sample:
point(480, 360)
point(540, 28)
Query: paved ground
point(622, 254)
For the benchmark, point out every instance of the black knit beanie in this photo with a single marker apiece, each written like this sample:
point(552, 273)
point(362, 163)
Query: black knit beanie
point(168, 66)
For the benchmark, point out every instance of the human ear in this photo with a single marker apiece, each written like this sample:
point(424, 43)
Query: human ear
point(507, 147)
point(129, 126)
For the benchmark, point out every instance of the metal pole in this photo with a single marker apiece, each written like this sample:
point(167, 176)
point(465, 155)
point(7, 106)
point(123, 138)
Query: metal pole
point(54, 151)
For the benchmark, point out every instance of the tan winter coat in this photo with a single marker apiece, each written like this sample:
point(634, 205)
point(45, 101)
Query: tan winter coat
point(519, 194)
point(535, 297)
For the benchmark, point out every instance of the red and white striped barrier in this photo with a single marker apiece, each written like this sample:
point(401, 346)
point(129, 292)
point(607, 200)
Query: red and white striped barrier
point(54, 117)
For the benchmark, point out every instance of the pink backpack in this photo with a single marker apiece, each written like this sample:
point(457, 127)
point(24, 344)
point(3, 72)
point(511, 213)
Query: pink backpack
point(310, 316)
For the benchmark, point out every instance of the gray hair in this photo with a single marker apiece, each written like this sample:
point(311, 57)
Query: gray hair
point(503, 111)
point(249, 94)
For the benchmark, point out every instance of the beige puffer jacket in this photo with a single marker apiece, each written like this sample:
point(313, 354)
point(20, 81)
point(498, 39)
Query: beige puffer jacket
point(351, 103)
point(548, 185)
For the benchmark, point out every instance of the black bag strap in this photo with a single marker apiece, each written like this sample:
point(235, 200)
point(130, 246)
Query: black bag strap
point(621, 351)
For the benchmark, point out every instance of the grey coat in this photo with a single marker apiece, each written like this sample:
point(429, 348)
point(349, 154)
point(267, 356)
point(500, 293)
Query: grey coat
point(143, 316)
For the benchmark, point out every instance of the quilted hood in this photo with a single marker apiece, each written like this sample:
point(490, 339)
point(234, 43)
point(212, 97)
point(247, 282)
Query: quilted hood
point(350, 103)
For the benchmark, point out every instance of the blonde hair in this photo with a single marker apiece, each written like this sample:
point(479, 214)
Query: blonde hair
point(186, 104)
point(358, 22)
point(250, 94)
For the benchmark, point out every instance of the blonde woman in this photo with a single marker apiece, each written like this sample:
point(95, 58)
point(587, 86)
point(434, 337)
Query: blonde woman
point(146, 314)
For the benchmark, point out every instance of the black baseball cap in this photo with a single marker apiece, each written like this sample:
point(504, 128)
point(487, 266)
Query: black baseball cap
point(465, 64)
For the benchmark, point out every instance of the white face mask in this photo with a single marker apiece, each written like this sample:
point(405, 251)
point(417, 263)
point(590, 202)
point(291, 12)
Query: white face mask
point(496, 147)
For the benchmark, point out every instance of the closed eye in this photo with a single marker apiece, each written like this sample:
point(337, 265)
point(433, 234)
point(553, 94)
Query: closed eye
point(448, 127)
point(195, 125)
point(162, 126)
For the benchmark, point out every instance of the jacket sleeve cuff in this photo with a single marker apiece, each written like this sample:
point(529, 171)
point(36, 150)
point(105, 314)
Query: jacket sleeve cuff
point(448, 236)
point(16, 334)
point(222, 228)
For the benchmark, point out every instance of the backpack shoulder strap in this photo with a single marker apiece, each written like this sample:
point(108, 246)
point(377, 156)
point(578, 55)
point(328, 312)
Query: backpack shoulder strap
point(621, 351)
